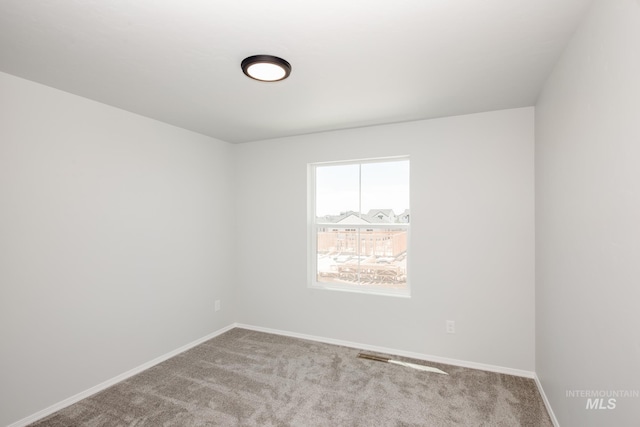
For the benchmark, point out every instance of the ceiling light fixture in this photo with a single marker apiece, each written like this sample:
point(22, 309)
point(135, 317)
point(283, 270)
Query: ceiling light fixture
point(266, 68)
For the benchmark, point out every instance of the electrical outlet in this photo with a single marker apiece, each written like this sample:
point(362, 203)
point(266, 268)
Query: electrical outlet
point(217, 306)
point(451, 327)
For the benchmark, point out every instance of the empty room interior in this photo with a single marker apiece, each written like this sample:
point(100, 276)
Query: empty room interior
point(160, 202)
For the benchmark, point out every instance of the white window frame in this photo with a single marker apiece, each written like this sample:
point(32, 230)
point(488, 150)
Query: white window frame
point(313, 225)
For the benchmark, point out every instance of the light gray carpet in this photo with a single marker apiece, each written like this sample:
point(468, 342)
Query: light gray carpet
point(247, 378)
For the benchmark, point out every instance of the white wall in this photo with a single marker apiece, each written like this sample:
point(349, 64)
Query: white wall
point(588, 219)
point(115, 240)
point(472, 242)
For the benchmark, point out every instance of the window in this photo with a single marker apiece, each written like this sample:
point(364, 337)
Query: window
point(359, 226)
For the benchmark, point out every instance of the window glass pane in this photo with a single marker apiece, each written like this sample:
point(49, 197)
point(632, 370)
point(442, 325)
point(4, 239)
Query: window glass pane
point(337, 192)
point(385, 191)
point(383, 257)
point(338, 256)
point(375, 257)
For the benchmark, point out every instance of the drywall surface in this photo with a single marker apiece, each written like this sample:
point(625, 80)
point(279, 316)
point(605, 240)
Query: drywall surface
point(472, 239)
point(115, 240)
point(587, 223)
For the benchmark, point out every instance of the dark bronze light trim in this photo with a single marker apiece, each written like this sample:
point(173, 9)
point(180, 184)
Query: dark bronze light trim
point(266, 59)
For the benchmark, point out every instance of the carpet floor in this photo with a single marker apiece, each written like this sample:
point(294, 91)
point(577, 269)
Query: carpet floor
point(248, 378)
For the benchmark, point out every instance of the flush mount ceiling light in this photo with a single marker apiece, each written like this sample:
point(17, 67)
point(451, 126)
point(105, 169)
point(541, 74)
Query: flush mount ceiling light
point(266, 68)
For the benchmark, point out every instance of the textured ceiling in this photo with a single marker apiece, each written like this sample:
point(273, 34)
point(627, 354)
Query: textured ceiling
point(355, 62)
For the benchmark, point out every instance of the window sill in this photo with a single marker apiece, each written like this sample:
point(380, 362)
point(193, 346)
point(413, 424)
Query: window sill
point(362, 290)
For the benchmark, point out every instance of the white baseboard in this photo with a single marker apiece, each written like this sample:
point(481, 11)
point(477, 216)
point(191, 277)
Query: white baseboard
point(102, 386)
point(547, 404)
point(418, 356)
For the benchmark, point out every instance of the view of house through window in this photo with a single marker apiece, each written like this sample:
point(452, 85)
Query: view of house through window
point(360, 225)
